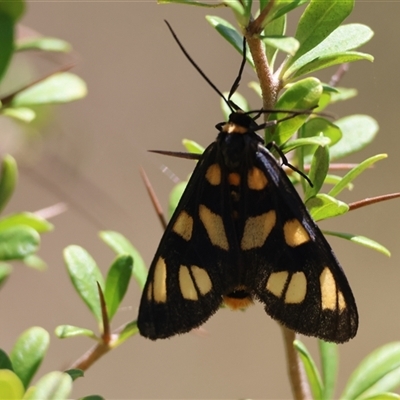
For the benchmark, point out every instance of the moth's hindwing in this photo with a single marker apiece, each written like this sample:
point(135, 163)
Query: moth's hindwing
point(241, 232)
point(295, 273)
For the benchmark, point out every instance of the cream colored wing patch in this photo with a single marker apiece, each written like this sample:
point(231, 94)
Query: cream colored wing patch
point(257, 229)
point(214, 227)
point(295, 284)
point(184, 226)
point(256, 179)
point(160, 282)
point(331, 297)
point(188, 282)
point(213, 174)
point(295, 233)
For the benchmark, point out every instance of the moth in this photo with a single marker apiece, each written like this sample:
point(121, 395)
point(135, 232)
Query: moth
point(242, 233)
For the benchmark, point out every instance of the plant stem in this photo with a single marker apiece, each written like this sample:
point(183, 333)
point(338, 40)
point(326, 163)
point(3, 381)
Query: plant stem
point(268, 83)
point(297, 376)
point(91, 356)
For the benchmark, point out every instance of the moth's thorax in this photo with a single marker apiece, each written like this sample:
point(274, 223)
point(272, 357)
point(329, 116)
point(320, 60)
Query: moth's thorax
point(237, 149)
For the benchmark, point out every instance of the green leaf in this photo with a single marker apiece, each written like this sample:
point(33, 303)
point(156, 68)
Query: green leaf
point(343, 94)
point(21, 113)
point(319, 19)
point(28, 353)
point(286, 44)
point(32, 220)
point(335, 179)
point(55, 385)
point(85, 274)
point(302, 95)
point(364, 241)
point(122, 246)
point(117, 283)
point(358, 131)
point(323, 206)
point(8, 179)
point(353, 173)
point(5, 272)
point(129, 330)
point(18, 242)
point(192, 146)
point(11, 387)
point(310, 368)
point(175, 196)
point(329, 365)
point(315, 127)
point(75, 373)
point(280, 8)
point(384, 396)
point(94, 396)
point(5, 362)
point(309, 141)
point(67, 331)
point(14, 9)
point(318, 170)
point(340, 41)
point(44, 44)
point(61, 87)
point(277, 27)
point(378, 372)
point(6, 41)
point(329, 61)
point(240, 9)
point(229, 32)
point(35, 262)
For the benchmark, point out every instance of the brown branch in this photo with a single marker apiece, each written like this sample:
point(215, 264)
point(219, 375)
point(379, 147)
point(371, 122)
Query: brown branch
point(154, 199)
point(91, 356)
point(372, 200)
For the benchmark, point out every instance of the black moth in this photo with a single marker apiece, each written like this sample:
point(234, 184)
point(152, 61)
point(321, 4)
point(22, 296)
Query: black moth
point(241, 232)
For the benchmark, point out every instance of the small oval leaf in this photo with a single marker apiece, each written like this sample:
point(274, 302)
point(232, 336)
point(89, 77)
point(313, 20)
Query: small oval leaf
point(85, 274)
point(28, 353)
point(61, 87)
point(117, 283)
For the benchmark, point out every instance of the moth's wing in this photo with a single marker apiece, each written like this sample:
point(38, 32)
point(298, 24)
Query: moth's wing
point(187, 276)
point(294, 271)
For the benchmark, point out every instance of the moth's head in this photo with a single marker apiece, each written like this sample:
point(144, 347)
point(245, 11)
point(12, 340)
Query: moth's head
point(239, 123)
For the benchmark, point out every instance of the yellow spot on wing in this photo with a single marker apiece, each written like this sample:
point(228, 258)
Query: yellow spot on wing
point(150, 291)
point(213, 174)
point(234, 179)
point(202, 279)
point(159, 282)
point(214, 227)
point(276, 282)
point(342, 302)
point(297, 289)
point(183, 225)
point(256, 179)
point(257, 229)
point(328, 290)
point(186, 284)
point(295, 233)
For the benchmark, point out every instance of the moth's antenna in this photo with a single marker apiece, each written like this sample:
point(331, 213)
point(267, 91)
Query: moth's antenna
point(239, 77)
point(198, 68)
